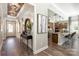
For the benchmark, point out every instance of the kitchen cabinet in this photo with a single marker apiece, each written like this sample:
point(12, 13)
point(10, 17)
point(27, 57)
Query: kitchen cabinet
point(55, 38)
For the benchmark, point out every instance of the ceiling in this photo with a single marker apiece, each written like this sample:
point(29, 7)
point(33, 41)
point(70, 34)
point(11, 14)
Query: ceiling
point(14, 8)
point(69, 9)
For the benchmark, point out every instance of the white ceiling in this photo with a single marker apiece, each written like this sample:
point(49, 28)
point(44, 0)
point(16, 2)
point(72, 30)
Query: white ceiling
point(69, 9)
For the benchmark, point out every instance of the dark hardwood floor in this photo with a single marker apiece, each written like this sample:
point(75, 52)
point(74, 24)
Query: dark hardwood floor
point(12, 47)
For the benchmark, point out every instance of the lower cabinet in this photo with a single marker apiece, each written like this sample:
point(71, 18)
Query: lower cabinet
point(55, 38)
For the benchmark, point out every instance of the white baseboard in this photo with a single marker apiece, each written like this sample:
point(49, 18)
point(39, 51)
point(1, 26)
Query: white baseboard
point(1, 45)
point(35, 52)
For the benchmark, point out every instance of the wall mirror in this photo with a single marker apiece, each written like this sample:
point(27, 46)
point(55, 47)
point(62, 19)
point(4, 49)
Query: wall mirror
point(28, 25)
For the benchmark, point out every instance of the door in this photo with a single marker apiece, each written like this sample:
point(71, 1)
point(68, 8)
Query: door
point(11, 28)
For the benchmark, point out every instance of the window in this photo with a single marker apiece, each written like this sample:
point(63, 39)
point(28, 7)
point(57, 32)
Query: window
point(74, 26)
point(10, 28)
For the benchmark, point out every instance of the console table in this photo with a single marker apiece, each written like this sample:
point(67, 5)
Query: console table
point(27, 37)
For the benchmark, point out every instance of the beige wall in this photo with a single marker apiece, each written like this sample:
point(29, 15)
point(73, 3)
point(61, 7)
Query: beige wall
point(40, 40)
point(2, 22)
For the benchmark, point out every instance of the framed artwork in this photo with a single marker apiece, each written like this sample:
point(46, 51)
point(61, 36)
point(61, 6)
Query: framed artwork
point(41, 23)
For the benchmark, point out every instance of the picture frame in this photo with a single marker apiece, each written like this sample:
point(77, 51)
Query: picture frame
point(41, 23)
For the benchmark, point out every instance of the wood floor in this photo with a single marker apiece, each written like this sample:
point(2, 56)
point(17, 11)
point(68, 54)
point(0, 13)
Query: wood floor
point(56, 50)
point(12, 47)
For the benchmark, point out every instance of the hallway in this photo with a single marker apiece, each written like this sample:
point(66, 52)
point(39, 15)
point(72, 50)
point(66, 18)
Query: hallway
point(13, 24)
